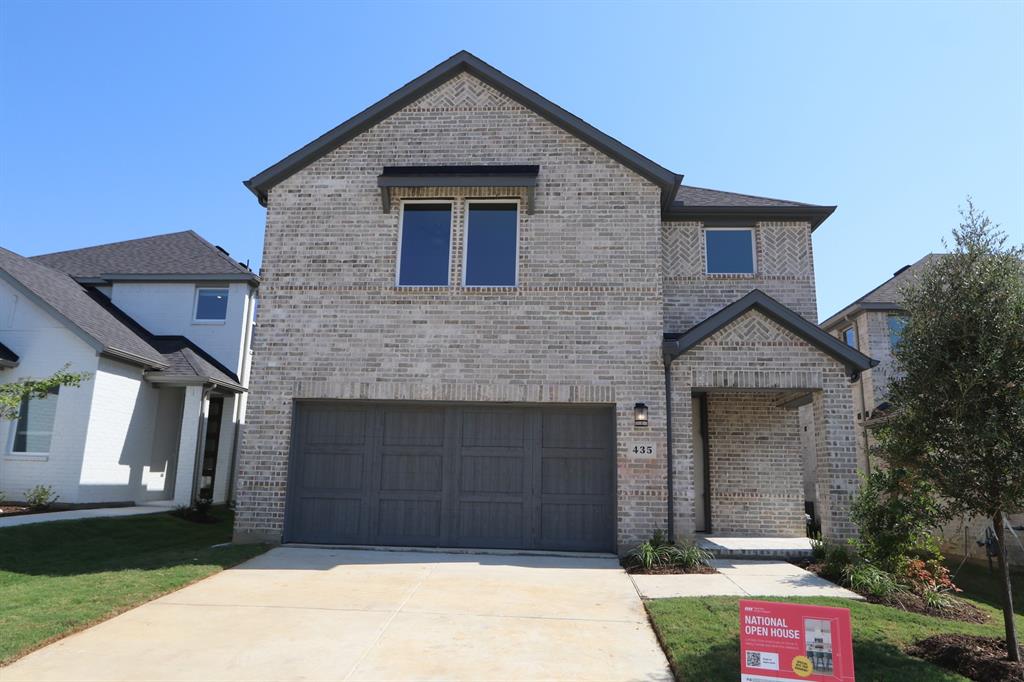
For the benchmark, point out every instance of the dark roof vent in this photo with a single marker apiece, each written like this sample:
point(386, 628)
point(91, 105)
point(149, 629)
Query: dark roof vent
point(895, 274)
point(221, 249)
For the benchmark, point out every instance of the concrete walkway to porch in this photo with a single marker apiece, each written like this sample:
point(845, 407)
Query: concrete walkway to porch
point(743, 578)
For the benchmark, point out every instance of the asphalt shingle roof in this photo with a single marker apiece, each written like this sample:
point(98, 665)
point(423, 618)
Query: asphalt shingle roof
point(70, 300)
point(701, 196)
point(885, 294)
point(177, 253)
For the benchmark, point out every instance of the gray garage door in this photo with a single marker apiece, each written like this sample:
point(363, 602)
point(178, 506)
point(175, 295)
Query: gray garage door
point(442, 475)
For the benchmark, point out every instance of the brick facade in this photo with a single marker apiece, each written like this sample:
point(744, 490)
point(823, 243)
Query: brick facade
point(601, 278)
point(755, 363)
point(584, 324)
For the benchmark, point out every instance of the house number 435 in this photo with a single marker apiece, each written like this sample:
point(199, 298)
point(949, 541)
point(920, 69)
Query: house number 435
point(643, 450)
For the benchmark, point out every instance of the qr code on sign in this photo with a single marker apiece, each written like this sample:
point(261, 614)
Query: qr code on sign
point(754, 659)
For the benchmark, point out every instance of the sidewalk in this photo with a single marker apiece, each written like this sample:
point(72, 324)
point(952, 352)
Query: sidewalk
point(743, 578)
point(75, 514)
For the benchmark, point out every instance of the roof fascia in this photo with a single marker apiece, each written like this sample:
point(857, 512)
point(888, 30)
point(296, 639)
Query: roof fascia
point(132, 358)
point(193, 380)
point(261, 183)
point(854, 360)
point(815, 215)
point(854, 308)
point(8, 363)
point(183, 277)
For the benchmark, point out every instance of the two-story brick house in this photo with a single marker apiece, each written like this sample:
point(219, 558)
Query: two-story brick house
point(485, 323)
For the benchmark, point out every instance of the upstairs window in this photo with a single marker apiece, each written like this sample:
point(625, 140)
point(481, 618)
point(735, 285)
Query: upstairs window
point(729, 251)
point(211, 305)
point(896, 325)
point(492, 244)
point(34, 429)
point(850, 337)
point(424, 244)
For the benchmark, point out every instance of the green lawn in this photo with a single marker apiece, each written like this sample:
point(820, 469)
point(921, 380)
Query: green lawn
point(59, 577)
point(701, 635)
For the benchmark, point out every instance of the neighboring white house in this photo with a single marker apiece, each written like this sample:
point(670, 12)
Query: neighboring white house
point(163, 325)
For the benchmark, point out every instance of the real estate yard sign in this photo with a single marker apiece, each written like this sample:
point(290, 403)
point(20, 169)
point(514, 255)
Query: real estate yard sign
point(794, 642)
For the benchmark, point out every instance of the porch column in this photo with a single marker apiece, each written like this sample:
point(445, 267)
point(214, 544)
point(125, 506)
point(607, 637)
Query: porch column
point(192, 414)
point(837, 458)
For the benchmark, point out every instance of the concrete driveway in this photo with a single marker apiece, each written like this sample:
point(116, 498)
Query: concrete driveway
point(322, 614)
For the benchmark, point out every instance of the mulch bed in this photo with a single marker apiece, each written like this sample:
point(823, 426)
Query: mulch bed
point(669, 570)
point(958, 610)
point(978, 658)
point(14, 510)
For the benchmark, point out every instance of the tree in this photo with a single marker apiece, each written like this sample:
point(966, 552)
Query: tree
point(13, 393)
point(958, 394)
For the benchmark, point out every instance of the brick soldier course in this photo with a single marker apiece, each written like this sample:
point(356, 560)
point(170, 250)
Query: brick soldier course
point(610, 260)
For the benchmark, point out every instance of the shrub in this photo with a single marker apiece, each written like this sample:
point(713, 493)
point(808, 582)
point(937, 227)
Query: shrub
point(833, 557)
point(40, 497)
point(896, 512)
point(870, 580)
point(657, 552)
point(197, 512)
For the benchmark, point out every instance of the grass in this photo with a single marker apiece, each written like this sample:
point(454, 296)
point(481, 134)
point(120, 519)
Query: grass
point(701, 634)
point(60, 577)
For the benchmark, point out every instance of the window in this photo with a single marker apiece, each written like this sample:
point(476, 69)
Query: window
point(34, 428)
point(424, 244)
point(211, 305)
point(492, 244)
point(729, 251)
point(896, 325)
point(850, 337)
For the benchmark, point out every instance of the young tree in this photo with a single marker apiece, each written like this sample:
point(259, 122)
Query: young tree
point(958, 395)
point(13, 393)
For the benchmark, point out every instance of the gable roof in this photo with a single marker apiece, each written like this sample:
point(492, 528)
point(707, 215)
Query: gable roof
point(70, 303)
point(460, 62)
point(184, 360)
point(854, 360)
point(8, 358)
point(700, 203)
point(163, 256)
point(886, 296)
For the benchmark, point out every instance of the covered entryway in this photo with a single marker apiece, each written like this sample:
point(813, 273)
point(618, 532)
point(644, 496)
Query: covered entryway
point(452, 475)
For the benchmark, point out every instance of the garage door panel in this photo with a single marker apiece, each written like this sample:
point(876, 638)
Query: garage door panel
point(574, 475)
point(491, 524)
point(335, 520)
point(419, 426)
point(333, 470)
point(409, 521)
point(493, 428)
point(419, 472)
point(491, 474)
point(575, 429)
point(574, 525)
point(332, 425)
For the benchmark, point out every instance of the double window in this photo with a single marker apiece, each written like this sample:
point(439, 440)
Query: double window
point(491, 244)
point(896, 325)
point(729, 251)
point(33, 430)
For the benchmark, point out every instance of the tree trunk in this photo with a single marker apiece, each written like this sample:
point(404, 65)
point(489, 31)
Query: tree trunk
point(1004, 568)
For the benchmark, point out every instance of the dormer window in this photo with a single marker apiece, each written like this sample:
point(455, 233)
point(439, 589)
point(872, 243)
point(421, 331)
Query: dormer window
point(211, 305)
point(729, 251)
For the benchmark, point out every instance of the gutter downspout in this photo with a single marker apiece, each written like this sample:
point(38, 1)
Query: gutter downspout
point(668, 444)
point(863, 401)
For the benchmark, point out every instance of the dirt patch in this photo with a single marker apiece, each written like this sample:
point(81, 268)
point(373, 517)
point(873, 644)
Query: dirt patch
point(669, 570)
point(958, 609)
point(978, 658)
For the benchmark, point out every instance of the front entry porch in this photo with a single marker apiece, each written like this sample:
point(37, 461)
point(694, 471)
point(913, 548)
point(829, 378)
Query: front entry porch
point(762, 427)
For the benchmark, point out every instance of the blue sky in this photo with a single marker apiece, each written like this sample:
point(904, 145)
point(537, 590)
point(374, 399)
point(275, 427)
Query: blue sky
point(120, 120)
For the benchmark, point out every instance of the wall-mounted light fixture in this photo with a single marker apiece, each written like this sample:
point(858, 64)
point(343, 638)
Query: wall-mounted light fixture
point(640, 414)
